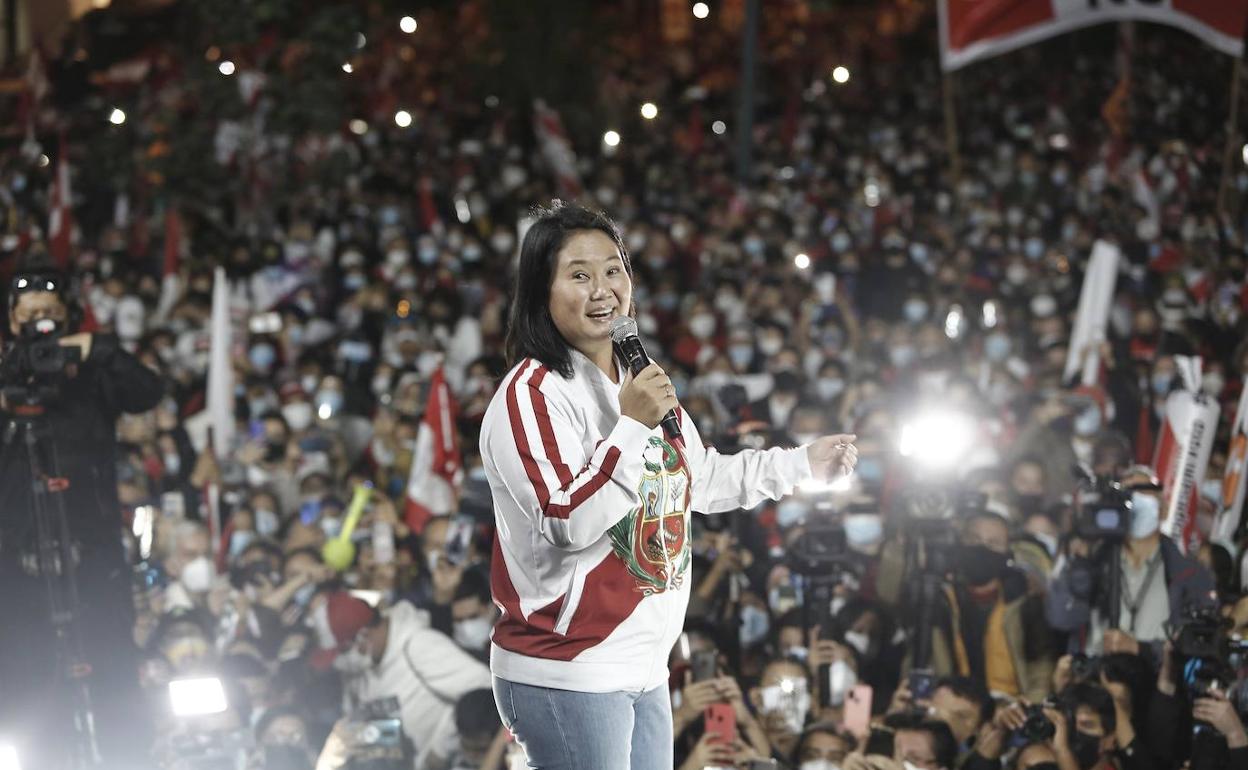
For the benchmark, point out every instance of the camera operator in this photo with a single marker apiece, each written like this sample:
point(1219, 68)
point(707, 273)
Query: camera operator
point(1157, 583)
point(70, 387)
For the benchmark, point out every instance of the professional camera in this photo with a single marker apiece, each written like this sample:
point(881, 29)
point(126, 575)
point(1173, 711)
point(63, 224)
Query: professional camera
point(376, 736)
point(1103, 511)
point(1036, 728)
point(36, 366)
point(1084, 668)
point(220, 750)
point(1201, 633)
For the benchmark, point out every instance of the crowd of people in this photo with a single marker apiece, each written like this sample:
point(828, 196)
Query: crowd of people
point(913, 291)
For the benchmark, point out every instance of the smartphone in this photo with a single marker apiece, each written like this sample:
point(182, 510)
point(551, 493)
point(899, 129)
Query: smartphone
point(173, 504)
point(922, 682)
point(705, 665)
point(721, 722)
point(786, 598)
point(857, 713)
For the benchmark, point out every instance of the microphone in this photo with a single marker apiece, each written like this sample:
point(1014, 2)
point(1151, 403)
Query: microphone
point(628, 344)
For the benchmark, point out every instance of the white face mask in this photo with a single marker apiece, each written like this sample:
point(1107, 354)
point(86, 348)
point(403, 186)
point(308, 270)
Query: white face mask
point(266, 522)
point(197, 575)
point(298, 415)
point(819, 764)
point(1146, 515)
point(792, 703)
point(1048, 541)
point(474, 633)
point(352, 662)
point(859, 641)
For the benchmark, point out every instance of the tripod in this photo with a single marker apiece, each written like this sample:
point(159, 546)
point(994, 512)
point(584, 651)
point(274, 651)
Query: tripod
point(55, 561)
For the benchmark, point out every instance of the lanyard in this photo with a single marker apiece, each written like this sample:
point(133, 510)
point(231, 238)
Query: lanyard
point(1133, 604)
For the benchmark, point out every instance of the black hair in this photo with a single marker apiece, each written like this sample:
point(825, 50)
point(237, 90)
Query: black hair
point(476, 715)
point(824, 728)
point(271, 715)
point(968, 689)
point(1094, 697)
point(944, 745)
point(307, 550)
point(473, 583)
point(531, 332)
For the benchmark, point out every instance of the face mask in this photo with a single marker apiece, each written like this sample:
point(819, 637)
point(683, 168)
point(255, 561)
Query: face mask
point(239, 541)
point(754, 625)
point(789, 512)
point(1017, 274)
point(266, 522)
point(1048, 541)
point(841, 679)
point(262, 357)
point(1043, 305)
point(863, 530)
point(819, 764)
point(331, 527)
point(197, 575)
point(331, 399)
point(1088, 421)
point(798, 652)
point(1033, 248)
point(792, 703)
point(303, 595)
point(901, 356)
point(914, 310)
point(1211, 489)
point(1145, 515)
point(980, 564)
point(740, 355)
point(859, 641)
point(352, 662)
point(1086, 748)
point(1161, 383)
point(1213, 384)
point(173, 464)
point(997, 347)
point(702, 325)
point(473, 633)
point(298, 415)
point(829, 388)
point(770, 345)
point(870, 470)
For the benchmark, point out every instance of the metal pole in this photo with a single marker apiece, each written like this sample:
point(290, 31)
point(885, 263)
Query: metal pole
point(745, 114)
point(951, 129)
point(1232, 132)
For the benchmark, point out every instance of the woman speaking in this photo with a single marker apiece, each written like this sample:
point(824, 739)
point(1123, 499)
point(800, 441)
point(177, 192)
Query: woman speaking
point(592, 505)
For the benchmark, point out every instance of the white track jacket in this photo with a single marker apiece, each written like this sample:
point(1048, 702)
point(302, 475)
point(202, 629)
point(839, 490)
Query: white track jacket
point(591, 562)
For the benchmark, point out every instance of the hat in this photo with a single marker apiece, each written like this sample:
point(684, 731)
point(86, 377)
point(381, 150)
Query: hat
point(337, 621)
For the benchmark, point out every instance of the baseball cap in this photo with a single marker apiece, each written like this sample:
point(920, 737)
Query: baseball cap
point(337, 622)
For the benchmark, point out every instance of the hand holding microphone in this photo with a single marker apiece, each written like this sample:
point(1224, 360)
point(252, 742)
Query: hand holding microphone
point(647, 395)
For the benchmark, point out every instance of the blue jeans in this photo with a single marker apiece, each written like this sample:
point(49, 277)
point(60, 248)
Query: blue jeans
point(567, 730)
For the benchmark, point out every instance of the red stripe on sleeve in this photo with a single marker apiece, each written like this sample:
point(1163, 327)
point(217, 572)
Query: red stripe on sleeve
point(589, 488)
point(522, 441)
point(546, 429)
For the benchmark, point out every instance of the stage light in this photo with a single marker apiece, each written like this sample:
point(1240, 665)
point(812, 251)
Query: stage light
point(8, 757)
point(719, 127)
point(937, 440)
point(324, 411)
point(226, 67)
point(990, 314)
point(403, 118)
point(611, 139)
point(117, 117)
point(407, 24)
point(360, 40)
point(953, 322)
point(44, 160)
point(197, 697)
point(871, 194)
point(801, 261)
point(1244, 154)
point(347, 68)
point(841, 74)
point(649, 111)
point(358, 127)
point(701, 10)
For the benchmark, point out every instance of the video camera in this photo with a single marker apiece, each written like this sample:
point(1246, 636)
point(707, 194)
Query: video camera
point(376, 736)
point(35, 367)
point(1104, 510)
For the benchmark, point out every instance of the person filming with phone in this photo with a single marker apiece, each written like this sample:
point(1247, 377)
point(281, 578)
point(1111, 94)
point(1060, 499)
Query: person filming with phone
point(594, 470)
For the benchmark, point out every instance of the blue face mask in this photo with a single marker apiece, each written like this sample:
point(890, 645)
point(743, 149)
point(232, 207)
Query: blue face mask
point(997, 347)
point(1145, 515)
point(262, 357)
point(741, 355)
point(790, 512)
point(863, 530)
point(755, 623)
point(870, 470)
point(1161, 383)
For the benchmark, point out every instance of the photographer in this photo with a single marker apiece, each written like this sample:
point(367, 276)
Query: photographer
point(1158, 583)
point(69, 388)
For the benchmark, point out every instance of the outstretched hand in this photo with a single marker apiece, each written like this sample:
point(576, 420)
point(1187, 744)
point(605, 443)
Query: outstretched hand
point(832, 457)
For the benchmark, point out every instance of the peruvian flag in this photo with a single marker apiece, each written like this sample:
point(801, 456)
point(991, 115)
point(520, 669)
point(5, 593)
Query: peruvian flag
point(437, 468)
point(1182, 456)
point(170, 285)
point(60, 213)
point(1230, 507)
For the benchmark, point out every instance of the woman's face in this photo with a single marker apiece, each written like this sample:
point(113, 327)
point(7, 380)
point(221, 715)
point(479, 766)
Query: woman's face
point(590, 288)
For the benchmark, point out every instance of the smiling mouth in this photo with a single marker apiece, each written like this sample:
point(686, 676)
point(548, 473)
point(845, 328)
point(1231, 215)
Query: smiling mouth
point(602, 315)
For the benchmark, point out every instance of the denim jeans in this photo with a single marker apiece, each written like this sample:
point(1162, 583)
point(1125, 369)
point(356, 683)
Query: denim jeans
point(567, 730)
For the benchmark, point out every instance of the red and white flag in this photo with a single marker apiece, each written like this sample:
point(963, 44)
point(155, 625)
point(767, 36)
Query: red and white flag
point(1231, 506)
point(437, 474)
point(1187, 436)
point(60, 212)
point(971, 30)
point(220, 393)
point(171, 283)
point(557, 149)
point(1092, 317)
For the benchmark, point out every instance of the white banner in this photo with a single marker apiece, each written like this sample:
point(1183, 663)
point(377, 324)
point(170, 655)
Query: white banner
point(1092, 317)
point(1187, 437)
point(1230, 507)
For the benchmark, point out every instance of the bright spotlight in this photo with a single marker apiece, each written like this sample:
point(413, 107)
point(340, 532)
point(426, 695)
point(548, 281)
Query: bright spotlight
point(611, 139)
point(1244, 153)
point(719, 127)
point(649, 111)
point(197, 697)
point(801, 261)
point(347, 68)
point(407, 24)
point(44, 160)
point(226, 67)
point(117, 117)
point(701, 10)
point(324, 411)
point(8, 757)
point(937, 440)
point(841, 74)
point(403, 118)
point(358, 127)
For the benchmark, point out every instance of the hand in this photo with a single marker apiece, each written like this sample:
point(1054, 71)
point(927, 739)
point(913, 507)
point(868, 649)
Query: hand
point(698, 695)
point(827, 651)
point(708, 753)
point(1120, 641)
point(1062, 674)
point(990, 742)
point(1165, 675)
point(647, 397)
point(1010, 718)
point(81, 340)
point(1218, 711)
point(903, 699)
point(1060, 741)
point(832, 457)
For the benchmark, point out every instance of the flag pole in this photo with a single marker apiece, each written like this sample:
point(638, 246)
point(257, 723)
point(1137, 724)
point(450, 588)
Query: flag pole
point(951, 128)
point(1232, 132)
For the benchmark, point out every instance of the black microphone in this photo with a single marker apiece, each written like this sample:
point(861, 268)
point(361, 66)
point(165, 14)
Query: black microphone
point(628, 344)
